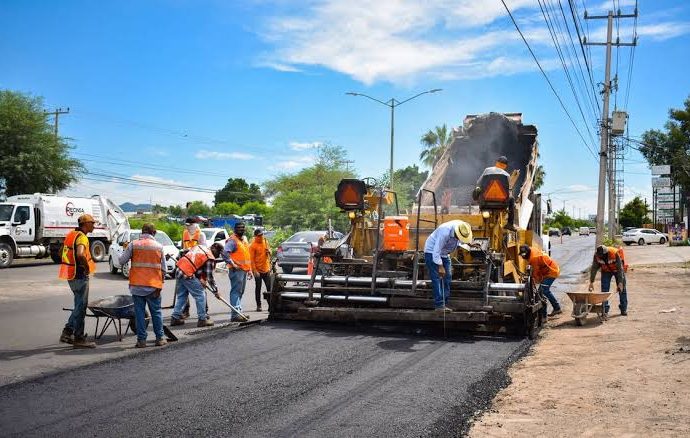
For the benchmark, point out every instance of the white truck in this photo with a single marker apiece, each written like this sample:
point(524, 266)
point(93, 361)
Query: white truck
point(36, 225)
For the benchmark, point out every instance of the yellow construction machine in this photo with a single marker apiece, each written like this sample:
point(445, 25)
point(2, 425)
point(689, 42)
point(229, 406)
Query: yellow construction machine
point(376, 273)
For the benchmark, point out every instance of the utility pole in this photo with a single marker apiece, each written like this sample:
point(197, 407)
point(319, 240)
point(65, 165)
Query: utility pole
point(604, 130)
point(56, 116)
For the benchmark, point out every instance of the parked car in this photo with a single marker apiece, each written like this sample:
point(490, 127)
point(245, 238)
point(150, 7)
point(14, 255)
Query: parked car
point(584, 231)
point(566, 231)
point(593, 230)
point(214, 235)
point(555, 232)
point(296, 250)
point(644, 235)
point(169, 250)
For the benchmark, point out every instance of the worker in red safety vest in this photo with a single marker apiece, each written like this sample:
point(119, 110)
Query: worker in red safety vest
point(237, 256)
point(75, 266)
point(544, 272)
point(194, 272)
point(611, 261)
point(146, 276)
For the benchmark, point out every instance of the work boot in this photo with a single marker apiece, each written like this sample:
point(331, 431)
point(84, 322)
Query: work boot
point(67, 337)
point(161, 342)
point(555, 312)
point(140, 344)
point(240, 318)
point(82, 343)
point(443, 309)
point(175, 321)
point(208, 322)
point(624, 313)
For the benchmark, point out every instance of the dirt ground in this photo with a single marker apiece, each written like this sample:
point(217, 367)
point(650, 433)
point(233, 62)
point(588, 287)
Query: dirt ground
point(626, 377)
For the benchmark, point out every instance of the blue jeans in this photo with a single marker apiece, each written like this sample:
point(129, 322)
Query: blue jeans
point(238, 279)
point(80, 289)
point(189, 286)
point(545, 287)
point(441, 294)
point(154, 304)
point(606, 286)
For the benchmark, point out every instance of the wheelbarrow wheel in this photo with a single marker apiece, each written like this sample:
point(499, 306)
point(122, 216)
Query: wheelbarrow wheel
point(133, 324)
point(579, 322)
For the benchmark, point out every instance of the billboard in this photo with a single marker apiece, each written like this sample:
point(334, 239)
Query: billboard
point(663, 169)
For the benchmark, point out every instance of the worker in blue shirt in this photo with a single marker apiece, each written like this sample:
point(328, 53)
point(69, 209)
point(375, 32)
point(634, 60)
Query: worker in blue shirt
point(444, 240)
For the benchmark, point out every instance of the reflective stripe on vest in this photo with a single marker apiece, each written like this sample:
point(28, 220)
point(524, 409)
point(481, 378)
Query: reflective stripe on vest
point(608, 265)
point(194, 259)
point(241, 255)
point(188, 242)
point(146, 264)
point(68, 258)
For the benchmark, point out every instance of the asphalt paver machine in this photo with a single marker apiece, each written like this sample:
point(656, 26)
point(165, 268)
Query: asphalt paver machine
point(376, 272)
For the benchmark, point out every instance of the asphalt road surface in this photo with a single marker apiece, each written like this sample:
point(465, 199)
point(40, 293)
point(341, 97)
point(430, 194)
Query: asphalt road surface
point(279, 379)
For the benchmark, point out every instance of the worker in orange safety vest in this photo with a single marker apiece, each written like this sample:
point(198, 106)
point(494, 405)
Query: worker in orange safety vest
point(492, 173)
point(146, 276)
point(611, 261)
point(192, 235)
point(237, 256)
point(75, 266)
point(260, 256)
point(544, 272)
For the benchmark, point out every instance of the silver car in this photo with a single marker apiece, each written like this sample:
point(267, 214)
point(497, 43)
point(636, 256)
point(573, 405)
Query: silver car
point(295, 252)
point(644, 235)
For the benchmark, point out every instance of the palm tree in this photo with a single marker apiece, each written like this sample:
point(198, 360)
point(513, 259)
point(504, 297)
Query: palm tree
point(434, 143)
point(539, 176)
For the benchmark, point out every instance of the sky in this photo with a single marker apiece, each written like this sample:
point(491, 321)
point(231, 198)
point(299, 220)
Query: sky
point(192, 93)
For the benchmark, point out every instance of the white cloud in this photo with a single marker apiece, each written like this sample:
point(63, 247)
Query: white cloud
point(215, 155)
point(297, 146)
point(293, 163)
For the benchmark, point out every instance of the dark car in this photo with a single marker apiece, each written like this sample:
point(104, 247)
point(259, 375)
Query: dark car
point(555, 232)
point(566, 231)
point(296, 250)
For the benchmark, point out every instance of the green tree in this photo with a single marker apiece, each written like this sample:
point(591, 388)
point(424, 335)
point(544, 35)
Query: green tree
point(304, 200)
point(198, 208)
point(176, 210)
point(407, 183)
point(159, 209)
point(255, 207)
point(671, 146)
point(32, 159)
point(539, 176)
point(434, 143)
point(237, 190)
point(634, 213)
point(226, 208)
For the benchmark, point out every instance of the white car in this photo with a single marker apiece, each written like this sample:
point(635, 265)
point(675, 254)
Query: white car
point(116, 249)
point(214, 235)
point(644, 235)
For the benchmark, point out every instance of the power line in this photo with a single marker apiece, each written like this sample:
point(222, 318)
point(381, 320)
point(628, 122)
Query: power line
point(578, 25)
point(548, 80)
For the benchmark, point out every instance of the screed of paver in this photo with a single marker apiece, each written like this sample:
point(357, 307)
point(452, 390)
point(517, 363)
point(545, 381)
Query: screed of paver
point(628, 376)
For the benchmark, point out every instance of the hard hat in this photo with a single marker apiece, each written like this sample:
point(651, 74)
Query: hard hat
point(84, 218)
point(502, 159)
point(601, 250)
point(525, 251)
point(463, 232)
point(189, 221)
point(258, 232)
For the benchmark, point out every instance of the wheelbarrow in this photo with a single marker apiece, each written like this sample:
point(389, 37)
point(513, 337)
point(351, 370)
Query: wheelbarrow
point(588, 302)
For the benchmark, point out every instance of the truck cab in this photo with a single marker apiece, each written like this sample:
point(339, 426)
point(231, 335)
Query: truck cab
point(17, 226)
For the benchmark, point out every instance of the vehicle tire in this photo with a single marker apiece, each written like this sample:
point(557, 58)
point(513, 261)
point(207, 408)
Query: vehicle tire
point(628, 243)
point(286, 269)
point(125, 270)
point(6, 255)
point(113, 269)
point(662, 241)
point(55, 253)
point(640, 242)
point(98, 251)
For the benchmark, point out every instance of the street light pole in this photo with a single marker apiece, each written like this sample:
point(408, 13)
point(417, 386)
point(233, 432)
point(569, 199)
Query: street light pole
point(392, 103)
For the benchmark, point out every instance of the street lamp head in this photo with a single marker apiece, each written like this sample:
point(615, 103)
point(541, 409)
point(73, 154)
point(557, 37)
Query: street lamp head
point(435, 90)
point(350, 93)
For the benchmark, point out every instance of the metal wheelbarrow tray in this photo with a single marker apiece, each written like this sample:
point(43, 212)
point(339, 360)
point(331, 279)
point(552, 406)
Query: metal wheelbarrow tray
point(588, 302)
point(116, 307)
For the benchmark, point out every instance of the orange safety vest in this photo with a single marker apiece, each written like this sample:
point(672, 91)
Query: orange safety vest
point(543, 266)
point(241, 255)
point(194, 259)
point(146, 264)
point(68, 263)
point(188, 242)
point(610, 264)
point(261, 256)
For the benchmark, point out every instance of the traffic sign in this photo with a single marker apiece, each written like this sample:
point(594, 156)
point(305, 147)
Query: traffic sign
point(663, 169)
point(661, 181)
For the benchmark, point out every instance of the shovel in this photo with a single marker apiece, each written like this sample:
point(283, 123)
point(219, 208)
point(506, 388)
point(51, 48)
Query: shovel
point(242, 316)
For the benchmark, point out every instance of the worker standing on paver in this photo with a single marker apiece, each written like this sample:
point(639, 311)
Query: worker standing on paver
point(194, 272)
point(192, 235)
point(75, 266)
point(484, 195)
point(236, 255)
point(260, 256)
point(444, 240)
point(612, 264)
point(544, 272)
point(146, 276)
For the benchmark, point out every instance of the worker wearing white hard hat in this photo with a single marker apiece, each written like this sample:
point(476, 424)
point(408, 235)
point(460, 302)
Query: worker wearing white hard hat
point(444, 240)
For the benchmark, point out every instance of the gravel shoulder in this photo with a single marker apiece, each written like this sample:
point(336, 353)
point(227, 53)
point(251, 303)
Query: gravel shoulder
point(628, 376)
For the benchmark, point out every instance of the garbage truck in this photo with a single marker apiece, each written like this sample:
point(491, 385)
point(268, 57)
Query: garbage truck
point(35, 225)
